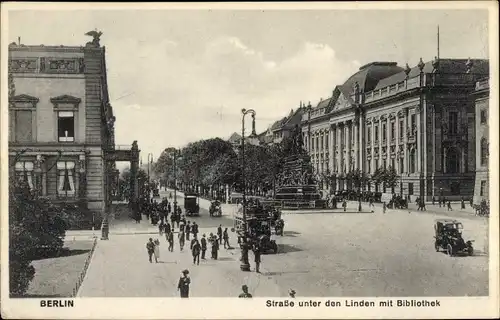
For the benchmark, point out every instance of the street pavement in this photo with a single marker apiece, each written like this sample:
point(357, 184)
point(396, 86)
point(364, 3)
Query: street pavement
point(322, 254)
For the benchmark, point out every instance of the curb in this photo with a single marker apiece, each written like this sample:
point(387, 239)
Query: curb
point(84, 271)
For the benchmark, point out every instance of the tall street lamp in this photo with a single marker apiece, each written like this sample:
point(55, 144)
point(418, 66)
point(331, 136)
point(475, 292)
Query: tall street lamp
point(245, 265)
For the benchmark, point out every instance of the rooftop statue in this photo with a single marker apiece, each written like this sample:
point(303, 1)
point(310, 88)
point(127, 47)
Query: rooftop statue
point(96, 37)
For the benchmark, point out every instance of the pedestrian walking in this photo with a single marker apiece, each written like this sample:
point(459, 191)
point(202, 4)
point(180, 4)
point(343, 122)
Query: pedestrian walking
point(423, 205)
point(215, 247)
point(157, 250)
point(194, 229)
point(245, 293)
point(150, 247)
point(225, 236)
point(344, 205)
point(184, 283)
point(384, 207)
point(196, 248)
point(463, 203)
point(160, 228)
point(171, 241)
point(182, 240)
point(192, 243)
point(449, 206)
point(203, 246)
point(188, 230)
point(219, 233)
point(256, 253)
point(167, 228)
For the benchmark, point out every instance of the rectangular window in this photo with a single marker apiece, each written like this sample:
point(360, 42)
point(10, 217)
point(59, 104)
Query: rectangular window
point(484, 117)
point(393, 163)
point(413, 123)
point(483, 188)
point(401, 165)
point(376, 133)
point(376, 164)
point(369, 134)
point(401, 129)
point(23, 125)
point(385, 164)
point(24, 172)
point(66, 126)
point(326, 141)
point(369, 166)
point(65, 179)
point(322, 143)
point(410, 188)
point(384, 132)
point(393, 130)
point(453, 122)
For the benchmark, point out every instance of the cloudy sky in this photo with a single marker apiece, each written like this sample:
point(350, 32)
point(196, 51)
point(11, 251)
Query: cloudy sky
point(178, 76)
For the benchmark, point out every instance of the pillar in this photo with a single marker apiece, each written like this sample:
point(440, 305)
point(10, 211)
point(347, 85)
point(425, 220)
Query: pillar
point(348, 145)
point(405, 139)
point(356, 138)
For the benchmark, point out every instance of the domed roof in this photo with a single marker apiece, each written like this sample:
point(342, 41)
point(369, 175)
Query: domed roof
point(370, 74)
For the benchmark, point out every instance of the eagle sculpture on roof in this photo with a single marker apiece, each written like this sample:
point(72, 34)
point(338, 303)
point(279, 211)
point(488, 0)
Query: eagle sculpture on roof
point(96, 37)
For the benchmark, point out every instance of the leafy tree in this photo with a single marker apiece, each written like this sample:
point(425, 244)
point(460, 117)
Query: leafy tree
point(37, 228)
point(391, 177)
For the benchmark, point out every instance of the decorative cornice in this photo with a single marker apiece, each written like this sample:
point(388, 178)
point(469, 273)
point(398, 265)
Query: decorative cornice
point(24, 98)
point(392, 115)
point(65, 99)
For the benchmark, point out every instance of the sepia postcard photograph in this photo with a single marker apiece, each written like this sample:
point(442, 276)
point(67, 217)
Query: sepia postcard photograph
point(249, 160)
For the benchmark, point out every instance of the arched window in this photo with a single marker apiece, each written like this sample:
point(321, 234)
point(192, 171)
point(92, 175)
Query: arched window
point(452, 161)
point(484, 152)
point(412, 161)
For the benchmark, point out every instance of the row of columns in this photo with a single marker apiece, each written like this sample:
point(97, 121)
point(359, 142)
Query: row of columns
point(347, 143)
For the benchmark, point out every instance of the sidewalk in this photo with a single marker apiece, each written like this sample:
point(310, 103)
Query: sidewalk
point(120, 268)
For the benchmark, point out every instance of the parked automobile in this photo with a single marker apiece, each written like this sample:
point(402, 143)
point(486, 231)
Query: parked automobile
point(449, 238)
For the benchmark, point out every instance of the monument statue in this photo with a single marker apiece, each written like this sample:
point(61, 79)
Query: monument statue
point(96, 37)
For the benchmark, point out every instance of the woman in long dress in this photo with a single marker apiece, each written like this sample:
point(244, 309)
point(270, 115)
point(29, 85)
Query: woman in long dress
point(157, 249)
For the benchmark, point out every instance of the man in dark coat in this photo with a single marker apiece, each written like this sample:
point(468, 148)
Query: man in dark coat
point(203, 246)
point(215, 247)
point(167, 228)
point(170, 239)
point(225, 236)
point(194, 229)
point(196, 248)
point(188, 230)
point(245, 293)
point(256, 253)
point(150, 247)
point(184, 283)
point(219, 233)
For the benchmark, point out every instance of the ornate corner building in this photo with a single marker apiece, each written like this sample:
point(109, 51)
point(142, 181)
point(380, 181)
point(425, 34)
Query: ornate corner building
point(61, 125)
point(421, 121)
point(482, 100)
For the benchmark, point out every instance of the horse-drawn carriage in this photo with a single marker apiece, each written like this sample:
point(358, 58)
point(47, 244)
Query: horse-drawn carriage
point(215, 209)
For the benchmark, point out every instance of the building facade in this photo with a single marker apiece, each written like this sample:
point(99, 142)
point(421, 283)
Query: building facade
point(419, 121)
point(61, 125)
point(482, 99)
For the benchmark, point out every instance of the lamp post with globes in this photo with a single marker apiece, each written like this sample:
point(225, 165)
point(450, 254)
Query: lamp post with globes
point(245, 265)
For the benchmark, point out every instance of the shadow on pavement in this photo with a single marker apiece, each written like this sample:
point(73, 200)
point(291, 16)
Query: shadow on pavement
point(65, 252)
point(286, 248)
point(40, 296)
point(291, 233)
point(226, 259)
point(279, 273)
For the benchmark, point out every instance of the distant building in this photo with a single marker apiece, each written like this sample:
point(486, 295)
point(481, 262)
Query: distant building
point(283, 128)
point(419, 120)
point(61, 125)
point(482, 100)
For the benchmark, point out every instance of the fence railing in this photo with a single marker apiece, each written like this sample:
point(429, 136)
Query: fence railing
point(84, 271)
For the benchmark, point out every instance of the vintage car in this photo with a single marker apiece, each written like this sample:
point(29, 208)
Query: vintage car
point(191, 204)
point(215, 209)
point(449, 237)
